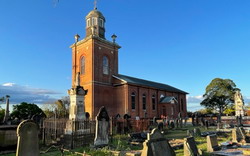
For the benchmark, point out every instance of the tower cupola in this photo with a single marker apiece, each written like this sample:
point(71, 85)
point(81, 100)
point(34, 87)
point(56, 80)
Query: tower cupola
point(95, 24)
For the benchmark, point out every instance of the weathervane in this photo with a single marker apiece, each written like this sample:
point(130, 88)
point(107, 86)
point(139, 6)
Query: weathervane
point(95, 4)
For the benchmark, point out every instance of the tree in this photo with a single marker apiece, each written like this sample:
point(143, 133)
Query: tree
point(219, 94)
point(60, 107)
point(2, 112)
point(26, 111)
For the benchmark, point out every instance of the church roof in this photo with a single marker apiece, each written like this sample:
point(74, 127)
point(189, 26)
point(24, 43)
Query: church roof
point(137, 81)
point(95, 13)
point(167, 99)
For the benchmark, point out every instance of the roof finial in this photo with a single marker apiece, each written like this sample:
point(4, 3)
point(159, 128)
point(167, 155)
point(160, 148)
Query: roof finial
point(95, 4)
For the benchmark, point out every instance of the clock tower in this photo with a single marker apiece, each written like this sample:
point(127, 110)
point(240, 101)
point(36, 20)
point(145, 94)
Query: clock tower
point(96, 59)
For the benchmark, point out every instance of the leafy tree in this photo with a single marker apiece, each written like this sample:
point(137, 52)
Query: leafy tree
point(230, 110)
point(60, 107)
point(26, 111)
point(219, 94)
point(2, 112)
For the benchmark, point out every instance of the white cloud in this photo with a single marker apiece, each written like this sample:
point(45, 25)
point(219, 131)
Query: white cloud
point(8, 84)
point(194, 99)
point(20, 93)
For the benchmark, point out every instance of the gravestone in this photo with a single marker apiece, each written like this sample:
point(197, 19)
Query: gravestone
point(185, 121)
point(239, 135)
point(190, 148)
point(176, 123)
point(206, 124)
point(212, 143)
point(197, 132)
point(172, 126)
point(190, 133)
point(28, 142)
point(160, 126)
point(102, 128)
point(157, 145)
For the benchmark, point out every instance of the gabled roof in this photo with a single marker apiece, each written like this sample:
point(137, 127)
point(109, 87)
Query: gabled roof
point(141, 82)
point(168, 99)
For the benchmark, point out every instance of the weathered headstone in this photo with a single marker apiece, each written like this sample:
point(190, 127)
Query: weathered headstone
point(197, 132)
point(160, 126)
point(190, 148)
point(212, 143)
point(172, 125)
point(190, 133)
point(157, 145)
point(206, 124)
point(28, 142)
point(102, 128)
point(239, 135)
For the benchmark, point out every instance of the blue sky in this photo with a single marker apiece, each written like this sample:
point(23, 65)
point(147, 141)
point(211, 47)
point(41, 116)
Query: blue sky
point(183, 43)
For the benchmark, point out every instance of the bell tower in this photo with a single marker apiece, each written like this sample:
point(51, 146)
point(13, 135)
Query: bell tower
point(96, 59)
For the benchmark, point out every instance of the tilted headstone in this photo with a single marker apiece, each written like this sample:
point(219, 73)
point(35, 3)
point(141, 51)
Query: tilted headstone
point(239, 135)
point(157, 145)
point(102, 128)
point(28, 142)
point(212, 143)
point(190, 148)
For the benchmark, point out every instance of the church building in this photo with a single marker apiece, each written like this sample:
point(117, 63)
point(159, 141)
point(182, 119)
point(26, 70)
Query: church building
point(96, 59)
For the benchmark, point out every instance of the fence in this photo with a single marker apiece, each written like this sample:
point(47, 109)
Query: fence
point(77, 133)
point(67, 132)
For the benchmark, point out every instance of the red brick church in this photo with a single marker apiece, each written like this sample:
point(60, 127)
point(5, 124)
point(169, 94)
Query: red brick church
point(96, 58)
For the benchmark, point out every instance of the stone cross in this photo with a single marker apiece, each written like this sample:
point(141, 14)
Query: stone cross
point(157, 145)
point(28, 142)
point(212, 143)
point(102, 128)
point(190, 147)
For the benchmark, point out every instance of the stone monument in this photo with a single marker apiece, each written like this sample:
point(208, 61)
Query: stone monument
point(102, 128)
point(28, 142)
point(7, 111)
point(157, 145)
point(77, 107)
point(239, 104)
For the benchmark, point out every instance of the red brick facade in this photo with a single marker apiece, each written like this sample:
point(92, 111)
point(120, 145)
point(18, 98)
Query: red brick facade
point(98, 75)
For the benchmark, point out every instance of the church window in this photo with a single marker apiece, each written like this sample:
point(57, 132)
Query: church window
point(101, 23)
point(144, 102)
point(182, 106)
point(82, 65)
point(133, 100)
point(105, 64)
point(153, 102)
point(88, 22)
point(94, 21)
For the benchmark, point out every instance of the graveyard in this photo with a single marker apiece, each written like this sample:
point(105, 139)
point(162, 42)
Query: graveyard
point(106, 113)
point(118, 137)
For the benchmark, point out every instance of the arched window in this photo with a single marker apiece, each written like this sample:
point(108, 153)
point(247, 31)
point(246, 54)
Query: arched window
point(182, 106)
point(153, 102)
point(82, 65)
point(144, 102)
point(105, 64)
point(133, 100)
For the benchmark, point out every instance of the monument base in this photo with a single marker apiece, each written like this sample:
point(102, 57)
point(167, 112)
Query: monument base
point(76, 126)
